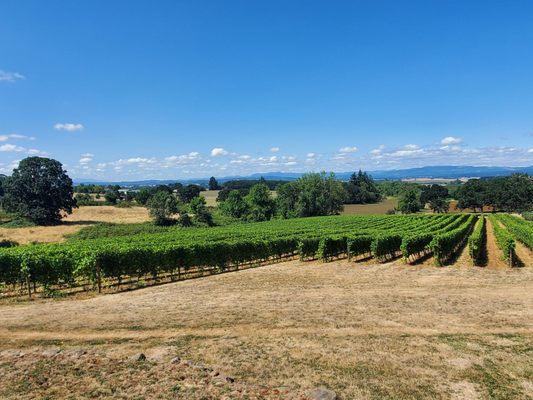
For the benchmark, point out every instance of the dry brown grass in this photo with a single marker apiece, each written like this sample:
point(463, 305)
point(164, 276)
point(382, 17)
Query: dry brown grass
point(368, 209)
point(387, 331)
point(81, 217)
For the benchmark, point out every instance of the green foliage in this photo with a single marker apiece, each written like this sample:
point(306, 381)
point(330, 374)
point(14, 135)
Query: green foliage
point(39, 190)
point(433, 192)
point(357, 245)
point(361, 189)
point(386, 246)
point(504, 240)
point(199, 209)
point(331, 246)
point(235, 205)
point(439, 205)
point(189, 192)
point(521, 230)
point(528, 216)
point(162, 207)
point(395, 188)
point(143, 195)
point(511, 194)
point(408, 202)
point(311, 195)
point(261, 206)
point(213, 184)
point(445, 244)
point(418, 243)
point(167, 249)
point(112, 196)
point(8, 243)
point(476, 241)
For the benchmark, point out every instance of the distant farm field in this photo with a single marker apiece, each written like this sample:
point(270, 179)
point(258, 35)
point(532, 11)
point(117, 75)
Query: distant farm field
point(366, 209)
point(81, 217)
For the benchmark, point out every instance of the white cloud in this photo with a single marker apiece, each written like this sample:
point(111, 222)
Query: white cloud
point(11, 148)
point(68, 127)
point(378, 151)
point(36, 152)
point(311, 155)
point(274, 149)
point(11, 77)
point(348, 149)
point(85, 160)
point(4, 138)
point(218, 151)
point(450, 140)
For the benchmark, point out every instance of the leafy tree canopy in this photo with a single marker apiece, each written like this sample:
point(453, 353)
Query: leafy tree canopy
point(39, 189)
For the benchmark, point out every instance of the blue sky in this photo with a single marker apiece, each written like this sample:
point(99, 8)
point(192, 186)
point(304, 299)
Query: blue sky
point(176, 89)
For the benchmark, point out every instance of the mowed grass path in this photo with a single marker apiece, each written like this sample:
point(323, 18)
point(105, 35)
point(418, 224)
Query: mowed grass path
point(376, 331)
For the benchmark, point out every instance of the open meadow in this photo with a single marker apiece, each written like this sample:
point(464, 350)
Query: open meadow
point(80, 217)
point(365, 330)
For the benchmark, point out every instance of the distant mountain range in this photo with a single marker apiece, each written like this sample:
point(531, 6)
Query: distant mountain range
point(435, 172)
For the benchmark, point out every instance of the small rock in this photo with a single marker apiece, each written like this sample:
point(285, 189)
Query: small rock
point(138, 357)
point(224, 378)
point(76, 353)
point(175, 360)
point(52, 352)
point(321, 394)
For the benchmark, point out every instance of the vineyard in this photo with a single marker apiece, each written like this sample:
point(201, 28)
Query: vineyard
point(92, 264)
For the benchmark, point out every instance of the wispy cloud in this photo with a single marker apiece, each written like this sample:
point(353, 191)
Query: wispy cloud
point(10, 77)
point(69, 127)
point(11, 148)
point(5, 138)
point(348, 149)
point(274, 149)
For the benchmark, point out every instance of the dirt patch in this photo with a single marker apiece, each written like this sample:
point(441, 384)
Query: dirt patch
point(72, 223)
point(368, 331)
point(494, 254)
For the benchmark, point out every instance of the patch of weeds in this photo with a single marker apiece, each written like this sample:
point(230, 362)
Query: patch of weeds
point(185, 341)
point(495, 379)
point(49, 292)
point(175, 389)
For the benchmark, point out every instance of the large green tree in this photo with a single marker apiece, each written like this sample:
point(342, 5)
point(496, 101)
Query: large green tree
point(408, 202)
point(235, 205)
point(311, 195)
point(473, 195)
point(436, 196)
point(261, 206)
point(162, 206)
point(199, 208)
point(39, 189)
point(361, 189)
point(213, 184)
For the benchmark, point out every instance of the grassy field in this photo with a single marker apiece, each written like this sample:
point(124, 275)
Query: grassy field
point(210, 197)
point(367, 331)
point(367, 209)
point(81, 217)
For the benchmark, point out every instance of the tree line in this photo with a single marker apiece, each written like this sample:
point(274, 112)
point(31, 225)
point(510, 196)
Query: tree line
point(40, 190)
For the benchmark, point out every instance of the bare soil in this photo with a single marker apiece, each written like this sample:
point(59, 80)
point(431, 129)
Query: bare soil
point(367, 331)
point(83, 216)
